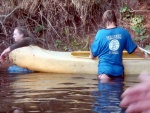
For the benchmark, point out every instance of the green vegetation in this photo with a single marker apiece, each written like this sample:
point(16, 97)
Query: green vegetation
point(64, 25)
point(138, 27)
point(73, 44)
point(136, 24)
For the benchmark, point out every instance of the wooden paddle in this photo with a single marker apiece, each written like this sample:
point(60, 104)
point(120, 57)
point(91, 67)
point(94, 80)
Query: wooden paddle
point(146, 51)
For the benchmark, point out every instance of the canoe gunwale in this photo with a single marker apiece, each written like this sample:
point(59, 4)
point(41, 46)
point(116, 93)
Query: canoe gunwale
point(41, 60)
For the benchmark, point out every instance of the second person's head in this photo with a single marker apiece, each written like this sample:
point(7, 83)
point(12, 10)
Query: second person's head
point(19, 33)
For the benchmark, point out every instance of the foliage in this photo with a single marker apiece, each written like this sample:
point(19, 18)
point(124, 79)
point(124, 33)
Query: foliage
point(125, 13)
point(138, 27)
point(136, 23)
point(58, 24)
point(55, 24)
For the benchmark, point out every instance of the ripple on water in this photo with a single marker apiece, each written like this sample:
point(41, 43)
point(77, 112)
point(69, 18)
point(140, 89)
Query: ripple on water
point(47, 93)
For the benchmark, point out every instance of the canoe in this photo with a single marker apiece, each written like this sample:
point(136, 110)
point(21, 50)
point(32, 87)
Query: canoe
point(77, 62)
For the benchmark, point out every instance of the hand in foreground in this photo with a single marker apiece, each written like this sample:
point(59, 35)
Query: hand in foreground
point(137, 98)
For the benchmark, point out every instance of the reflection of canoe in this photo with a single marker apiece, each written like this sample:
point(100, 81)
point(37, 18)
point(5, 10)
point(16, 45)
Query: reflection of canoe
point(37, 59)
point(36, 87)
point(47, 81)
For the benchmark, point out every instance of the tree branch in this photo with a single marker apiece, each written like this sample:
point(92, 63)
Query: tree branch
point(50, 25)
point(5, 16)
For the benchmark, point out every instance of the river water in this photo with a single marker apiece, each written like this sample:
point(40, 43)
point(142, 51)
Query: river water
point(60, 93)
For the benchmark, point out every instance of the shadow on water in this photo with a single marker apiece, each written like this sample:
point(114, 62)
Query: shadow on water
point(108, 97)
point(58, 93)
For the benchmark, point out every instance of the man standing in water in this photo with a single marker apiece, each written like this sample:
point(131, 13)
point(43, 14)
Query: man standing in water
point(109, 44)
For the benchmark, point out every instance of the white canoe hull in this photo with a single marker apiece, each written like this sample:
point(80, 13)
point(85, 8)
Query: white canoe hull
point(41, 60)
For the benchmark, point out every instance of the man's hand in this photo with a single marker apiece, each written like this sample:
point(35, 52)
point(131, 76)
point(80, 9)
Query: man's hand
point(137, 98)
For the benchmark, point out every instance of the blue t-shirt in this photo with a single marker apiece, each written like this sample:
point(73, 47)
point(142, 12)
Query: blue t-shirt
point(108, 45)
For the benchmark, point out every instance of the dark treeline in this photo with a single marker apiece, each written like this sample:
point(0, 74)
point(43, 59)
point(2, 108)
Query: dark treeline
point(61, 24)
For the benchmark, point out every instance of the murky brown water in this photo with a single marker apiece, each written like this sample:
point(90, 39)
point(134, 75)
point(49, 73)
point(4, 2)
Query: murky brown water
point(60, 93)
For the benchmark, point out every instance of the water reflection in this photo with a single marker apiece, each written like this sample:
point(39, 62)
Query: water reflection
point(108, 96)
point(58, 93)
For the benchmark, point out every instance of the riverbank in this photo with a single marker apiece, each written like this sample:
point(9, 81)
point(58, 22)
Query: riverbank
point(67, 25)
